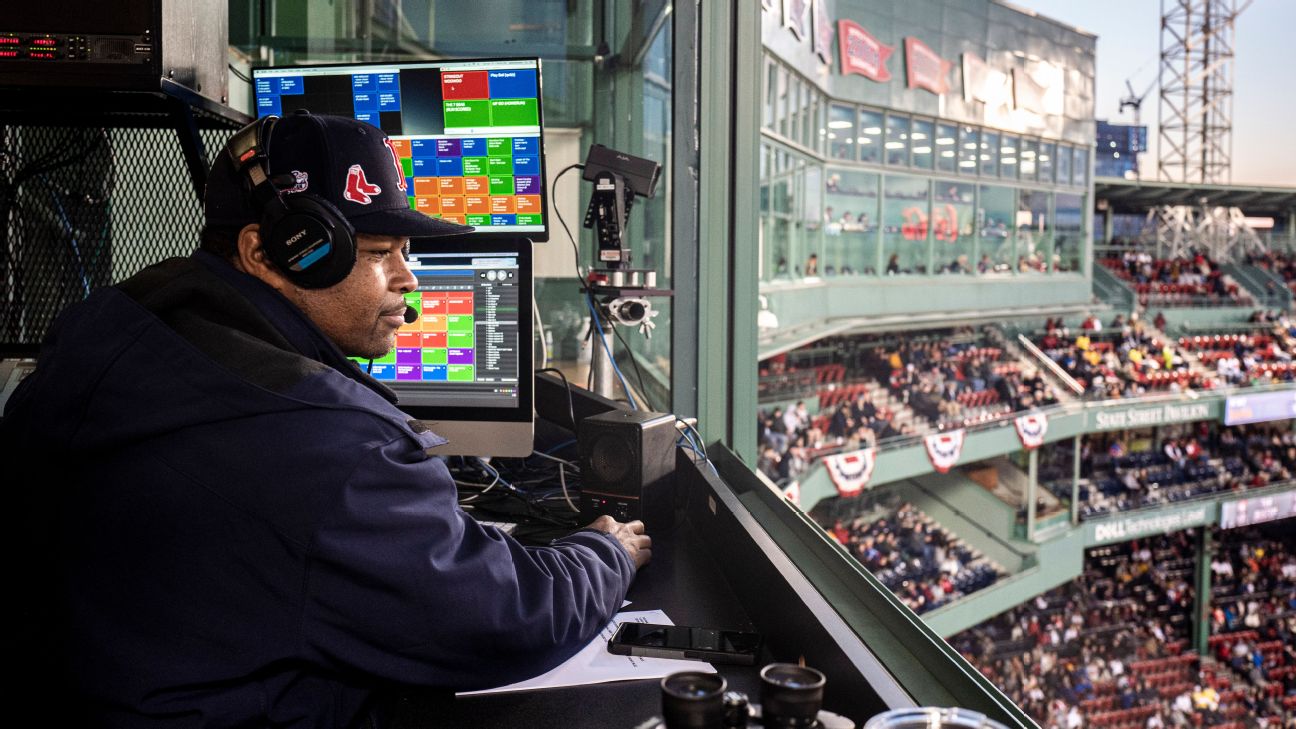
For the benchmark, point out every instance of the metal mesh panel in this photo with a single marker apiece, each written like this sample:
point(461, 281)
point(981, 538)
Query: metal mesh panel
point(82, 208)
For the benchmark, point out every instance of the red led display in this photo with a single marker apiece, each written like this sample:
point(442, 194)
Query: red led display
point(44, 41)
point(43, 55)
point(8, 40)
point(8, 54)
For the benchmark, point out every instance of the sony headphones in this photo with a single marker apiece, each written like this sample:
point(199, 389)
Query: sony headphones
point(305, 236)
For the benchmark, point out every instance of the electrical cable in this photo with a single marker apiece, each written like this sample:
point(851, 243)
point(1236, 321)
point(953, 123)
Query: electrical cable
point(594, 315)
point(71, 232)
point(643, 388)
point(239, 74)
point(540, 332)
point(571, 406)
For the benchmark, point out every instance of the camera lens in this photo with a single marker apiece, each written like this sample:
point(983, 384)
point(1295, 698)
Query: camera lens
point(791, 695)
point(693, 700)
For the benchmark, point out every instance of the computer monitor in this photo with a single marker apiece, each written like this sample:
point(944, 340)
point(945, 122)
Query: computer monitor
point(464, 365)
point(468, 133)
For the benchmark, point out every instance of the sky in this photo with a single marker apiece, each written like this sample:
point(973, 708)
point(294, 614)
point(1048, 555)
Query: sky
point(1264, 104)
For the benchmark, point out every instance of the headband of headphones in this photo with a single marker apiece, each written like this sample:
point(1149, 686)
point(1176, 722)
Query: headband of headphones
point(304, 236)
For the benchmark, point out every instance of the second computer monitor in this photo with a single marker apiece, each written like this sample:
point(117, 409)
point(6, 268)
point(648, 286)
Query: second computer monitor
point(469, 134)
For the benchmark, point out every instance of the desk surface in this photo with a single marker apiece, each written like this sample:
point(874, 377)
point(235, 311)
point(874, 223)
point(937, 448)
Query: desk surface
point(685, 581)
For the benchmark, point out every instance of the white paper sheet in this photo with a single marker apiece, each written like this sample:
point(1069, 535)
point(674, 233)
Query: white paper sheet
point(593, 664)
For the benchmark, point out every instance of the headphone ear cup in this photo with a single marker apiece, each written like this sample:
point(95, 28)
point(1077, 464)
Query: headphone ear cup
point(308, 240)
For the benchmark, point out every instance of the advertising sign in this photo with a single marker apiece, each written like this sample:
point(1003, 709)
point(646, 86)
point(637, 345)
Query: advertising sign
point(1147, 416)
point(926, 69)
point(1260, 408)
point(1120, 528)
point(1245, 512)
point(861, 53)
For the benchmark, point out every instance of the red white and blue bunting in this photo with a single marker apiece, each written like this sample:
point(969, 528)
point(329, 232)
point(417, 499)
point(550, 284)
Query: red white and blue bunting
point(850, 472)
point(1031, 429)
point(944, 449)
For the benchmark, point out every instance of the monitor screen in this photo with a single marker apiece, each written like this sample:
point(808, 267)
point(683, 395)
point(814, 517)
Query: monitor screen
point(469, 133)
point(464, 365)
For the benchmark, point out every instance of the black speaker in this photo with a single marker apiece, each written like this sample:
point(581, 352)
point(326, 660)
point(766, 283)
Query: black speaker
point(627, 460)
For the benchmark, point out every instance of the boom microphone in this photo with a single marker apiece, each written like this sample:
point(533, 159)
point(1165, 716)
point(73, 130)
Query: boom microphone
point(411, 314)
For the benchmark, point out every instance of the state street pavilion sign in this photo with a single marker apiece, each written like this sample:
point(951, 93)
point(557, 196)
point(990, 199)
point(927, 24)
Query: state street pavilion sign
point(1147, 416)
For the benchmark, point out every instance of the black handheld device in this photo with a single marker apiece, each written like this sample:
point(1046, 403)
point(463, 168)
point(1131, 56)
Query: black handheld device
point(678, 641)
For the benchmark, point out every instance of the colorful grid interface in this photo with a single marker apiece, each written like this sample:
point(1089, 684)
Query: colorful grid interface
point(469, 174)
point(479, 181)
point(438, 346)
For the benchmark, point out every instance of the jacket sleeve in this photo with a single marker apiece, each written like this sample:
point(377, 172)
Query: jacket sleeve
point(404, 585)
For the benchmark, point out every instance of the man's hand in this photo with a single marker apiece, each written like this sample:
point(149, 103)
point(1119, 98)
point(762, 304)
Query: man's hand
point(631, 536)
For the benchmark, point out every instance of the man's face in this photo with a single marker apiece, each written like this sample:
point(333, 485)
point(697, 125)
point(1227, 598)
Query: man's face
point(362, 313)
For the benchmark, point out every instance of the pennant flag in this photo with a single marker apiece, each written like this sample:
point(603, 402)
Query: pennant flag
point(862, 53)
point(823, 32)
point(850, 472)
point(944, 449)
point(926, 69)
point(1031, 429)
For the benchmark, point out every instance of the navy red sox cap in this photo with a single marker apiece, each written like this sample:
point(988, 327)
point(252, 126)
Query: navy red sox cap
point(348, 163)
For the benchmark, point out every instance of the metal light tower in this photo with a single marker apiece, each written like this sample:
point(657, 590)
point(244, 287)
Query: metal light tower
point(1195, 112)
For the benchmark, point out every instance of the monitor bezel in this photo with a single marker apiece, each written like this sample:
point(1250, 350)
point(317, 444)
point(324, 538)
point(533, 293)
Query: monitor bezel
point(535, 237)
point(524, 411)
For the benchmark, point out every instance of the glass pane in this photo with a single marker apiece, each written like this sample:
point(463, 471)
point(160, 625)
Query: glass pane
point(904, 224)
point(782, 112)
point(870, 136)
point(1069, 231)
point(812, 207)
point(995, 217)
point(946, 147)
point(897, 140)
point(1029, 157)
point(921, 135)
point(989, 154)
point(952, 230)
point(1047, 155)
point(794, 106)
point(771, 94)
point(1064, 165)
point(841, 131)
point(1008, 157)
point(1034, 234)
point(968, 140)
point(820, 124)
point(1080, 167)
point(850, 223)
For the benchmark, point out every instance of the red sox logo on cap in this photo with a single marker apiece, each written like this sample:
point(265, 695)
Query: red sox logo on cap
point(358, 189)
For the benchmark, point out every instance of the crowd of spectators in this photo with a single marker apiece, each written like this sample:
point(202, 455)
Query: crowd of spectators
point(791, 439)
point(960, 378)
point(1120, 471)
point(1127, 359)
point(1112, 647)
point(1239, 358)
point(1162, 282)
point(918, 560)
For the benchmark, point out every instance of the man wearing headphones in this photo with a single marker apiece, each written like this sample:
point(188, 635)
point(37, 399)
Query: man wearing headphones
point(245, 530)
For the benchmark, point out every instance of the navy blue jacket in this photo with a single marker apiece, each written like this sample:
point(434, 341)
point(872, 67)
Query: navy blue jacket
point(232, 525)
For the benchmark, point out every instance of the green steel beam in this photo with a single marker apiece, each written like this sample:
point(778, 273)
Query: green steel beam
point(1075, 482)
point(728, 97)
point(1201, 603)
point(1032, 484)
point(744, 271)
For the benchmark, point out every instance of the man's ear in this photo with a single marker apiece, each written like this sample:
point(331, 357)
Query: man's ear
point(250, 258)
